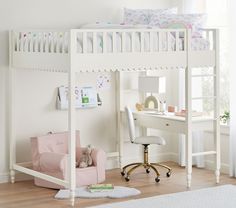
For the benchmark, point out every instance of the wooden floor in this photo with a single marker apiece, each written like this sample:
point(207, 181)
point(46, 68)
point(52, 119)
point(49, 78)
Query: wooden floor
point(26, 195)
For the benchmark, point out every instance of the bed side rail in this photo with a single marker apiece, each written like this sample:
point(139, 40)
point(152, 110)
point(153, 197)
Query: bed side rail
point(129, 40)
point(99, 40)
point(105, 40)
point(45, 41)
point(210, 35)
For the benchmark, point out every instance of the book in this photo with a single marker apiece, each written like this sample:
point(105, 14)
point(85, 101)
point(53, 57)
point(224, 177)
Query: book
point(183, 113)
point(100, 187)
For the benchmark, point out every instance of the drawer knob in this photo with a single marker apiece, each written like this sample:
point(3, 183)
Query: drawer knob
point(167, 124)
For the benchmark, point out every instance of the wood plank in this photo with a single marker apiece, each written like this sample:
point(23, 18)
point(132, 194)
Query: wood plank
point(25, 195)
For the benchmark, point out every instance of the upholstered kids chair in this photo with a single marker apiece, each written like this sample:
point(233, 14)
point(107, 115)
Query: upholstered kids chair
point(145, 141)
point(49, 156)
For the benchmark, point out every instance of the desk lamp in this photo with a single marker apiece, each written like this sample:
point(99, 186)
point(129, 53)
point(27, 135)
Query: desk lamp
point(151, 84)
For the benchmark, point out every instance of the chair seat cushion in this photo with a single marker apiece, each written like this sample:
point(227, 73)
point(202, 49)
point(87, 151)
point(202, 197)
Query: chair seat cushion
point(150, 140)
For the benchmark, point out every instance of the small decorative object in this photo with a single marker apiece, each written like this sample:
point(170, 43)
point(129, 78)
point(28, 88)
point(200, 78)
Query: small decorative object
point(151, 102)
point(86, 159)
point(139, 106)
point(225, 118)
point(172, 109)
point(162, 106)
point(184, 112)
point(104, 82)
point(152, 84)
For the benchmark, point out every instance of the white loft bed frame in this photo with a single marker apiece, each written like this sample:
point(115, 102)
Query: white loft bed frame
point(36, 53)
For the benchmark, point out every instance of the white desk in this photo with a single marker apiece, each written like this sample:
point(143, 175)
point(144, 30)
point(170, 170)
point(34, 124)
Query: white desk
point(177, 124)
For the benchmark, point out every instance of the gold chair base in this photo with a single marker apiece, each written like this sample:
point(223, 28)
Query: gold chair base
point(147, 166)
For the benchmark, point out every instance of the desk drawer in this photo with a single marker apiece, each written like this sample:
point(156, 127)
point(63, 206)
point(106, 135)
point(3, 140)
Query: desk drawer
point(156, 122)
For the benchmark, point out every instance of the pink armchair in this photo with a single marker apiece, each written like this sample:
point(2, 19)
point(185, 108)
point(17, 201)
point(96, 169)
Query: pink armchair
point(49, 156)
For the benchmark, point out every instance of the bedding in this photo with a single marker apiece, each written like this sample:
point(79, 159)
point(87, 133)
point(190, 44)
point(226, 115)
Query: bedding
point(142, 16)
point(185, 21)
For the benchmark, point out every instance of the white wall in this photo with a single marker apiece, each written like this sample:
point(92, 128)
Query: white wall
point(36, 91)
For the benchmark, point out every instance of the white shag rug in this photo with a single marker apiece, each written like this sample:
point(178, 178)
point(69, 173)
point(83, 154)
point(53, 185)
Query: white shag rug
point(83, 192)
point(215, 197)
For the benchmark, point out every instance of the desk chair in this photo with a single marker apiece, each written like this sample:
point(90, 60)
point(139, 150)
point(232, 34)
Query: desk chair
point(145, 141)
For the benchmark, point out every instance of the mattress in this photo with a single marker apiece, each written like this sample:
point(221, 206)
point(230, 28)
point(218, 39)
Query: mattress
point(197, 44)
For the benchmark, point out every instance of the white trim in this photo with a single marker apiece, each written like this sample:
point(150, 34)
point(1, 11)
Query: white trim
point(210, 165)
point(4, 177)
point(224, 130)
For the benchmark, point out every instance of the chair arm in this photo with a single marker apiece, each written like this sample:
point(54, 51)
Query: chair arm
point(99, 157)
point(99, 160)
point(53, 162)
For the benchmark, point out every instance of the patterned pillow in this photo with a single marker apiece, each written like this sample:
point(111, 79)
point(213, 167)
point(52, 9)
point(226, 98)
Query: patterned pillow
point(142, 16)
point(109, 25)
point(189, 21)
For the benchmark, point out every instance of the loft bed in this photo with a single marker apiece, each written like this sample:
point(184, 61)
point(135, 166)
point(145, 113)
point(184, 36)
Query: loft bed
point(97, 50)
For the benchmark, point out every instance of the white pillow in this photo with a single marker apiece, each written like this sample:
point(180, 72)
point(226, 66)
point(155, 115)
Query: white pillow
point(142, 16)
point(104, 25)
point(101, 25)
point(188, 21)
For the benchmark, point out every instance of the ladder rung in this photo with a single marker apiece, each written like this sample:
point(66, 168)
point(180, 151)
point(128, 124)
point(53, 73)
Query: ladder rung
point(204, 75)
point(204, 153)
point(204, 97)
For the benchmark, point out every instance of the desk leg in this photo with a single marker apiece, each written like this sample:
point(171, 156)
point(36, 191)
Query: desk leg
point(189, 157)
point(217, 105)
point(217, 147)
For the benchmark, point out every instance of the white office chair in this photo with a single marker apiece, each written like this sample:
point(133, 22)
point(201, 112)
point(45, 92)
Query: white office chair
point(145, 141)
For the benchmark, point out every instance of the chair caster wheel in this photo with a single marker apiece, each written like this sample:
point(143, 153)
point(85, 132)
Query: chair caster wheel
point(168, 174)
point(157, 179)
point(122, 173)
point(147, 171)
point(127, 178)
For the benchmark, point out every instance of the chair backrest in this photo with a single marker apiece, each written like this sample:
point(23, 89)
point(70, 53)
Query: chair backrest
point(131, 125)
point(56, 142)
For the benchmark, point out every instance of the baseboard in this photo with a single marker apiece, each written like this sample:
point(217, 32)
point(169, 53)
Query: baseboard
point(211, 166)
point(112, 163)
point(4, 177)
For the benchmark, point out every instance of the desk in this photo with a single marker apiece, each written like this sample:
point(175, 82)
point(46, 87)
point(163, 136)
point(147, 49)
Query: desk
point(179, 125)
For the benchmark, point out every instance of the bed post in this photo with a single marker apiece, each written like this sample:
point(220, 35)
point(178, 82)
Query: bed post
point(188, 106)
point(11, 126)
point(217, 105)
point(120, 141)
point(71, 117)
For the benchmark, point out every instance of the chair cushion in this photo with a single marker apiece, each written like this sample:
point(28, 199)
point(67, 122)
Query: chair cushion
point(150, 140)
